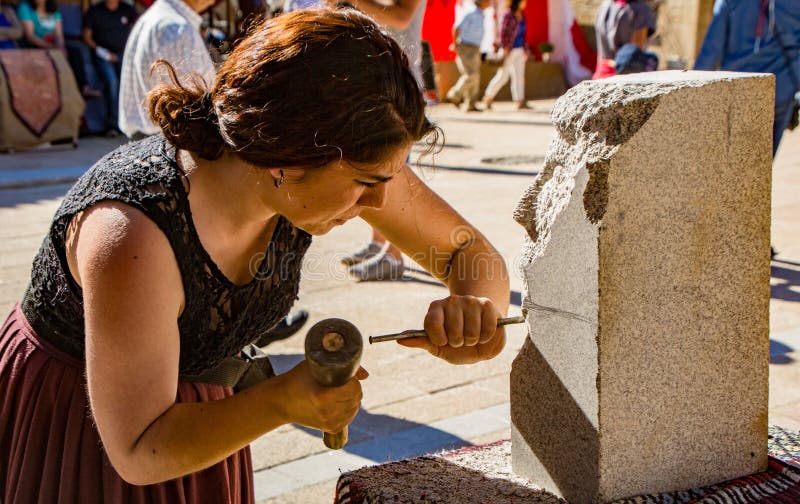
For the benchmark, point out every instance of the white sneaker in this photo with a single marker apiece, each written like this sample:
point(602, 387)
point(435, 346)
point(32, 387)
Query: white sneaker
point(381, 267)
point(372, 249)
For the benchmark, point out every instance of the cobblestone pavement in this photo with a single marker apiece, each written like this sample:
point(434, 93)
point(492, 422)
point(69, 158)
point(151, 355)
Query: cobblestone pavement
point(413, 403)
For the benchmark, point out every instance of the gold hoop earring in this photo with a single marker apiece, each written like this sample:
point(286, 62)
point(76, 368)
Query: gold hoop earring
point(279, 181)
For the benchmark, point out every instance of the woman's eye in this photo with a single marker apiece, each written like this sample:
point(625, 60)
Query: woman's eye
point(367, 184)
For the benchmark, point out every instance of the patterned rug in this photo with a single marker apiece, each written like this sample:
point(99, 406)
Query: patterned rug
point(473, 474)
point(33, 88)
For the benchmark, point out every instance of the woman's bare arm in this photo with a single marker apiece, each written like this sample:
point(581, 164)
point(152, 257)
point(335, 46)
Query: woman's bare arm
point(60, 35)
point(639, 38)
point(27, 29)
point(397, 15)
point(434, 235)
point(133, 297)
point(13, 32)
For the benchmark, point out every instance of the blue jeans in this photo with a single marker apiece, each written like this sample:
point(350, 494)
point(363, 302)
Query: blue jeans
point(80, 59)
point(783, 113)
point(110, 73)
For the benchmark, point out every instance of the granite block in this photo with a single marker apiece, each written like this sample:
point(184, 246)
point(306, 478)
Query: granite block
point(647, 288)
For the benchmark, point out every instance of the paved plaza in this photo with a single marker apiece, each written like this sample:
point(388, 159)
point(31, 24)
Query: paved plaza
point(413, 403)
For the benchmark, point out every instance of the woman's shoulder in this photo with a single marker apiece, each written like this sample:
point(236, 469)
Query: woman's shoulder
point(644, 15)
point(25, 11)
point(147, 159)
point(124, 205)
point(119, 244)
point(641, 7)
point(119, 227)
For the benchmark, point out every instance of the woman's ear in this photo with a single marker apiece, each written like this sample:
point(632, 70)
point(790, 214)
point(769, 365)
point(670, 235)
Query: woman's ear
point(276, 174)
point(292, 175)
point(279, 175)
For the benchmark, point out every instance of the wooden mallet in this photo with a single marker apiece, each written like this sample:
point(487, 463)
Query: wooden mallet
point(333, 353)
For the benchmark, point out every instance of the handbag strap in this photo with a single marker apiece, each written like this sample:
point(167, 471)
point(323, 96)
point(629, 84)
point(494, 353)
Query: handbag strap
point(762, 16)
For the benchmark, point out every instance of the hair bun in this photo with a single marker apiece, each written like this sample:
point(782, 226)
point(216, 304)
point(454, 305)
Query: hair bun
point(186, 116)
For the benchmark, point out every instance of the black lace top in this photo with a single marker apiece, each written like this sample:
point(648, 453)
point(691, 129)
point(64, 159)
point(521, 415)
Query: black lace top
point(219, 317)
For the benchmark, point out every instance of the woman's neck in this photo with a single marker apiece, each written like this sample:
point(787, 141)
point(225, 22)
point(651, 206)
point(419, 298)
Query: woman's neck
point(230, 189)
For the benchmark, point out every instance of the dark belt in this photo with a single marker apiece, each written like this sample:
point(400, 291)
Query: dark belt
point(239, 372)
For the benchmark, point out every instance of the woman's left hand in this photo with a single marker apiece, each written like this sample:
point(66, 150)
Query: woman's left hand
point(461, 330)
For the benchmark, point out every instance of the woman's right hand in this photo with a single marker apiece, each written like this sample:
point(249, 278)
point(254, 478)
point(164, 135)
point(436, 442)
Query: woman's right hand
point(329, 409)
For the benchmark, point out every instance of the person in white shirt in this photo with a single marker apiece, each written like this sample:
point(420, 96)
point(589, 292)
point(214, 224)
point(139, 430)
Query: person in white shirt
point(169, 30)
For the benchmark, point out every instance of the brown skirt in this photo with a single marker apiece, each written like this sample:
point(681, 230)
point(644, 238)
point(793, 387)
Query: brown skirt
point(50, 450)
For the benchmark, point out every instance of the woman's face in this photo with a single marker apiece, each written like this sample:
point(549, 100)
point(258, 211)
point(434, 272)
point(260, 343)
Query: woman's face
point(316, 200)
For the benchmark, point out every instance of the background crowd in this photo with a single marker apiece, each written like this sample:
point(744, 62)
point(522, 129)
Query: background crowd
point(112, 45)
point(743, 36)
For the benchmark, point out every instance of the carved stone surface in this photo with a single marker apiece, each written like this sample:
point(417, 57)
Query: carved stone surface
point(647, 273)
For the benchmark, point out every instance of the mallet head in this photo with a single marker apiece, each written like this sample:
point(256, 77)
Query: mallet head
point(333, 351)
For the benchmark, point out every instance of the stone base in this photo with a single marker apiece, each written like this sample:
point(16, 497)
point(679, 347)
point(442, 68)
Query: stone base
point(472, 474)
point(479, 474)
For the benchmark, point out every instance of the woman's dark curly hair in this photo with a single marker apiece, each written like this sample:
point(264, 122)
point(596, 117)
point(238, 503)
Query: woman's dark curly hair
point(303, 89)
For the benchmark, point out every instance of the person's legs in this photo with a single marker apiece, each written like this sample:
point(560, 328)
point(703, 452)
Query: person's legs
point(80, 60)
point(472, 64)
point(369, 251)
point(428, 74)
point(496, 84)
point(379, 260)
point(392, 251)
point(386, 265)
point(456, 93)
point(517, 71)
point(110, 73)
point(783, 114)
point(780, 121)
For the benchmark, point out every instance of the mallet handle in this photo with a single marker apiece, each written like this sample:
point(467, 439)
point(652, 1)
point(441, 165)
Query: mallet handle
point(333, 351)
point(335, 440)
point(422, 334)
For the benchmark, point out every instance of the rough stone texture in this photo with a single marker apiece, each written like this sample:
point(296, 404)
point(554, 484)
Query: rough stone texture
point(647, 274)
point(480, 474)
